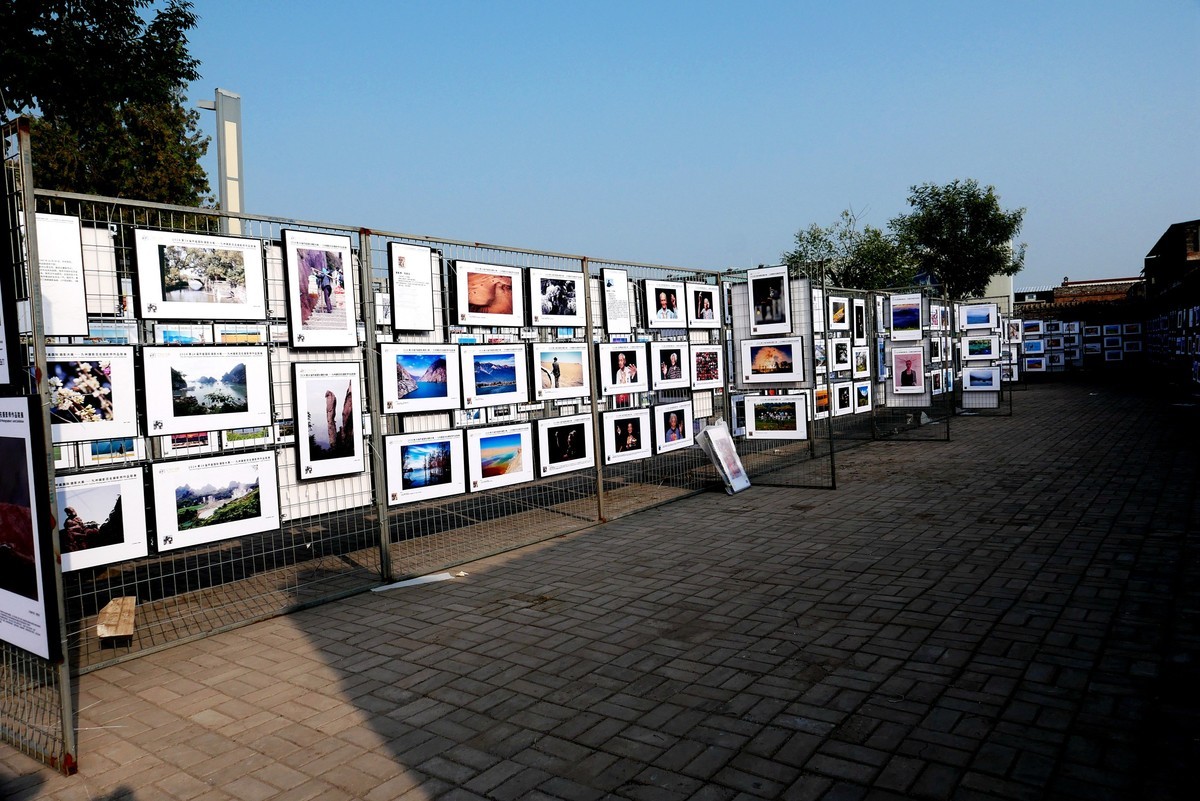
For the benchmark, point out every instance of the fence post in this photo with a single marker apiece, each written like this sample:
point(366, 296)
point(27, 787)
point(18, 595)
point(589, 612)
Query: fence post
point(374, 404)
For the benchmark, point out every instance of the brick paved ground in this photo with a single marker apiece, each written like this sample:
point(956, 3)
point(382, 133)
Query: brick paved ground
point(1011, 615)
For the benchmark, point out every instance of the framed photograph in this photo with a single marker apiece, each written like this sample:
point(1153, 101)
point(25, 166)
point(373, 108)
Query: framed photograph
point(183, 334)
point(190, 443)
point(670, 365)
point(1015, 330)
point(561, 370)
point(935, 382)
point(981, 379)
point(413, 268)
point(777, 416)
point(1072, 327)
point(1009, 372)
point(1090, 348)
point(862, 396)
point(104, 518)
point(617, 308)
point(197, 501)
point(626, 435)
point(255, 437)
point(977, 315)
point(1112, 329)
point(1091, 330)
point(1035, 364)
point(565, 444)
point(62, 285)
point(329, 406)
point(556, 298)
point(320, 286)
point(25, 569)
point(1054, 342)
point(775, 360)
point(839, 313)
point(822, 402)
point(908, 370)
point(184, 276)
point(859, 320)
point(664, 301)
point(498, 456)
point(861, 367)
point(1113, 342)
point(881, 322)
point(935, 349)
point(842, 358)
point(1052, 327)
point(770, 301)
point(620, 367)
point(420, 377)
point(843, 398)
point(1031, 328)
point(737, 415)
point(707, 371)
point(424, 466)
point(493, 375)
point(673, 426)
point(1113, 355)
point(980, 347)
point(112, 451)
point(1034, 347)
point(1134, 329)
point(818, 310)
point(1133, 346)
point(206, 388)
point(702, 305)
point(820, 359)
point(240, 334)
point(905, 317)
point(92, 392)
point(1055, 359)
point(109, 332)
point(488, 294)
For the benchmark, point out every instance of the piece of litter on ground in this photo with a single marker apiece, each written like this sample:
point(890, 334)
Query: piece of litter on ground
point(460, 574)
point(414, 581)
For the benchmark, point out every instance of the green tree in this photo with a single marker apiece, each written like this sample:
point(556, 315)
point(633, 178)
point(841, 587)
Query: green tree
point(859, 259)
point(106, 79)
point(959, 236)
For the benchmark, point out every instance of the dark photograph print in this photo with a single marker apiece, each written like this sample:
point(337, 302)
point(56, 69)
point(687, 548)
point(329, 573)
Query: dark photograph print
point(768, 300)
point(18, 566)
point(92, 518)
point(80, 391)
point(770, 359)
point(427, 464)
point(218, 495)
point(219, 389)
point(566, 443)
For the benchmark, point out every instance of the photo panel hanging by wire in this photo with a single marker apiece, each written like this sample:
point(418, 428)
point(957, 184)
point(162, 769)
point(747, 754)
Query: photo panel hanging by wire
point(777, 416)
point(665, 304)
point(770, 301)
point(626, 434)
point(561, 370)
point(190, 276)
point(424, 466)
point(488, 294)
point(413, 269)
point(672, 426)
point(328, 402)
point(669, 365)
point(773, 360)
point(500, 456)
point(556, 298)
point(419, 377)
point(703, 305)
point(494, 375)
point(206, 388)
point(319, 270)
point(92, 392)
point(565, 444)
point(103, 517)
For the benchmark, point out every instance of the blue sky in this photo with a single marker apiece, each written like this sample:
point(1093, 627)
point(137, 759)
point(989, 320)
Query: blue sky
point(704, 134)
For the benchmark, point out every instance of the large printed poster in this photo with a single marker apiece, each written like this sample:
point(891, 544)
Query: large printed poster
point(23, 608)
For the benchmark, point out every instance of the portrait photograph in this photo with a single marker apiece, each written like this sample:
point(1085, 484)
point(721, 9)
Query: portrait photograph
point(561, 370)
point(707, 371)
point(672, 426)
point(419, 377)
point(329, 406)
point(777, 416)
point(770, 301)
point(92, 392)
point(206, 388)
point(621, 369)
point(184, 276)
point(424, 466)
point(774, 360)
point(905, 317)
point(665, 304)
point(499, 456)
point(494, 375)
point(703, 307)
point(627, 435)
point(556, 298)
point(908, 370)
point(322, 311)
point(198, 501)
point(935, 382)
point(565, 444)
point(103, 517)
point(488, 294)
point(670, 365)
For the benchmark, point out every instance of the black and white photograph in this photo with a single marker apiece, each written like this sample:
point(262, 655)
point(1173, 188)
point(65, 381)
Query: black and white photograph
point(556, 298)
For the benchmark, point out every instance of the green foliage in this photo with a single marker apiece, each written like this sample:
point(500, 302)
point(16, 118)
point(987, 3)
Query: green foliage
point(959, 236)
point(107, 78)
point(866, 259)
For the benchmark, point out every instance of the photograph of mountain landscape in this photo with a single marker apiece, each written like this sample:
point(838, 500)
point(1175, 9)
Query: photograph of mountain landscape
point(494, 375)
point(206, 388)
point(204, 500)
point(104, 517)
point(420, 378)
point(217, 387)
point(329, 406)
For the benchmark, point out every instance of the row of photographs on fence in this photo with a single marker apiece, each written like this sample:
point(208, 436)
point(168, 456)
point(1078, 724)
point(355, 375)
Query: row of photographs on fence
point(105, 515)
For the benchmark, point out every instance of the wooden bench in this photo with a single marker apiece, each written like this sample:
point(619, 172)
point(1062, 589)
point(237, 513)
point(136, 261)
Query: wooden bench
point(116, 619)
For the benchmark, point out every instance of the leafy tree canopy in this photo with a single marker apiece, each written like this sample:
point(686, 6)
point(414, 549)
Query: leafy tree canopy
point(107, 78)
point(862, 259)
point(959, 236)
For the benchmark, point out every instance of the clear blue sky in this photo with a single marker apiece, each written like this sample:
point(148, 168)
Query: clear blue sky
point(704, 134)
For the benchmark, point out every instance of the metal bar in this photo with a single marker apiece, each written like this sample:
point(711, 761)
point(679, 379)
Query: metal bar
point(377, 455)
